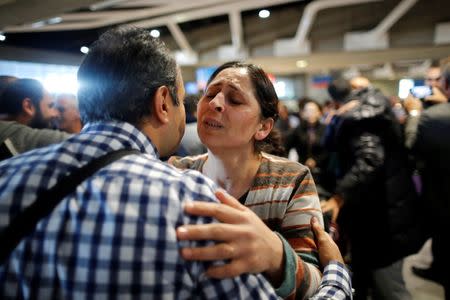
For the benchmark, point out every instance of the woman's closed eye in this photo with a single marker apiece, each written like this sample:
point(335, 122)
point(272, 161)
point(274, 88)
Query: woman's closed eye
point(210, 93)
point(234, 101)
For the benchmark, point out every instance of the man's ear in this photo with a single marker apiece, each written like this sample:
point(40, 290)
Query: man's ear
point(28, 108)
point(264, 129)
point(160, 107)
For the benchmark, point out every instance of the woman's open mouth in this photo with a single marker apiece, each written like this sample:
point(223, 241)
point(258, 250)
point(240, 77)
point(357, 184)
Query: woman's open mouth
point(212, 123)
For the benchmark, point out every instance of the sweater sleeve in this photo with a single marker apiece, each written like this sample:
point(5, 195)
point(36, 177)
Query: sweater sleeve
point(411, 127)
point(296, 229)
point(25, 138)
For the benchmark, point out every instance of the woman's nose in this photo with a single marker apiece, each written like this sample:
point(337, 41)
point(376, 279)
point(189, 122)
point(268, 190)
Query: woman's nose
point(217, 103)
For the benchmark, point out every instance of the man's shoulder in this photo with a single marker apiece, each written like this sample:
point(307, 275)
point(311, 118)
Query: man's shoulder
point(139, 172)
point(150, 171)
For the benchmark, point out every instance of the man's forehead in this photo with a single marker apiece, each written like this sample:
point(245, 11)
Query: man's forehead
point(434, 71)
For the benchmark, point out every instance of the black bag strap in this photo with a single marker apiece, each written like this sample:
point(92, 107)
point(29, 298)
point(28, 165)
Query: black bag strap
point(25, 222)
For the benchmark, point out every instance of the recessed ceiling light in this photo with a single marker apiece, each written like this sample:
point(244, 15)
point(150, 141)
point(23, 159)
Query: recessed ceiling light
point(264, 13)
point(55, 20)
point(301, 63)
point(84, 50)
point(155, 33)
point(38, 24)
point(2, 37)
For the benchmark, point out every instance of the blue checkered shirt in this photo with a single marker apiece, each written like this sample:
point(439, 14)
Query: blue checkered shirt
point(114, 237)
point(336, 283)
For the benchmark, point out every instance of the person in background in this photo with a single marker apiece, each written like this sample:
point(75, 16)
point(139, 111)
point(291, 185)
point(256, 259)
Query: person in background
point(359, 83)
point(283, 126)
point(306, 139)
point(277, 197)
point(398, 109)
point(375, 202)
point(426, 134)
point(432, 79)
point(191, 143)
point(25, 103)
point(69, 116)
point(328, 110)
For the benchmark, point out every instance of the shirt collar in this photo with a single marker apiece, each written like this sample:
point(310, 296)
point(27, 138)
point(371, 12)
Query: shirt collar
point(126, 134)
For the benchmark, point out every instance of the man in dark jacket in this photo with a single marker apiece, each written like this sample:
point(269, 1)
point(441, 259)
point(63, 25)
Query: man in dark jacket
point(427, 137)
point(374, 196)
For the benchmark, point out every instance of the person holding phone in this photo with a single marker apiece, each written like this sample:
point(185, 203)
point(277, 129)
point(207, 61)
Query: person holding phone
point(430, 93)
point(426, 133)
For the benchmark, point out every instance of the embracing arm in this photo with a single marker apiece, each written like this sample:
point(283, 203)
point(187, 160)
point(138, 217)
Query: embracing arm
point(336, 283)
point(204, 274)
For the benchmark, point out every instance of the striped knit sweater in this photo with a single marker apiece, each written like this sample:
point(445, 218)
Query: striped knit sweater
point(284, 196)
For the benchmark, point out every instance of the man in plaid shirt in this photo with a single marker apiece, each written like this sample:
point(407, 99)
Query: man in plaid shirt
point(115, 236)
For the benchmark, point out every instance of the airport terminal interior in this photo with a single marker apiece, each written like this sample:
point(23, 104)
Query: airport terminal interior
point(302, 45)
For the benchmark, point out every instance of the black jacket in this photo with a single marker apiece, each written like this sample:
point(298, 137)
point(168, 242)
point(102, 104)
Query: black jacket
point(380, 210)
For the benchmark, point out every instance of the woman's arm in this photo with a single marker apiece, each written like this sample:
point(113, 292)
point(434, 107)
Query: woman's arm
point(295, 228)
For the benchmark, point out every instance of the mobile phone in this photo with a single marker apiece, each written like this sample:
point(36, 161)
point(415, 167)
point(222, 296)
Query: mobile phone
point(421, 91)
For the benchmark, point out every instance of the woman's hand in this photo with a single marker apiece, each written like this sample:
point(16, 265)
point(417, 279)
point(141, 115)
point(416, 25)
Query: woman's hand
point(243, 239)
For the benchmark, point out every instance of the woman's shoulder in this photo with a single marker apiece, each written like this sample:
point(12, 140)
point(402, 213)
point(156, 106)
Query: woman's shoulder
point(188, 162)
point(281, 165)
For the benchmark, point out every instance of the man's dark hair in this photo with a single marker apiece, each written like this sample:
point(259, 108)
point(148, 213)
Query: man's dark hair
point(121, 73)
point(6, 80)
point(12, 97)
point(339, 89)
point(190, 103)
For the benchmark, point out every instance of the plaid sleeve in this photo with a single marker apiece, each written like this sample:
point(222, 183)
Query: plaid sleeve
point(336, 283)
